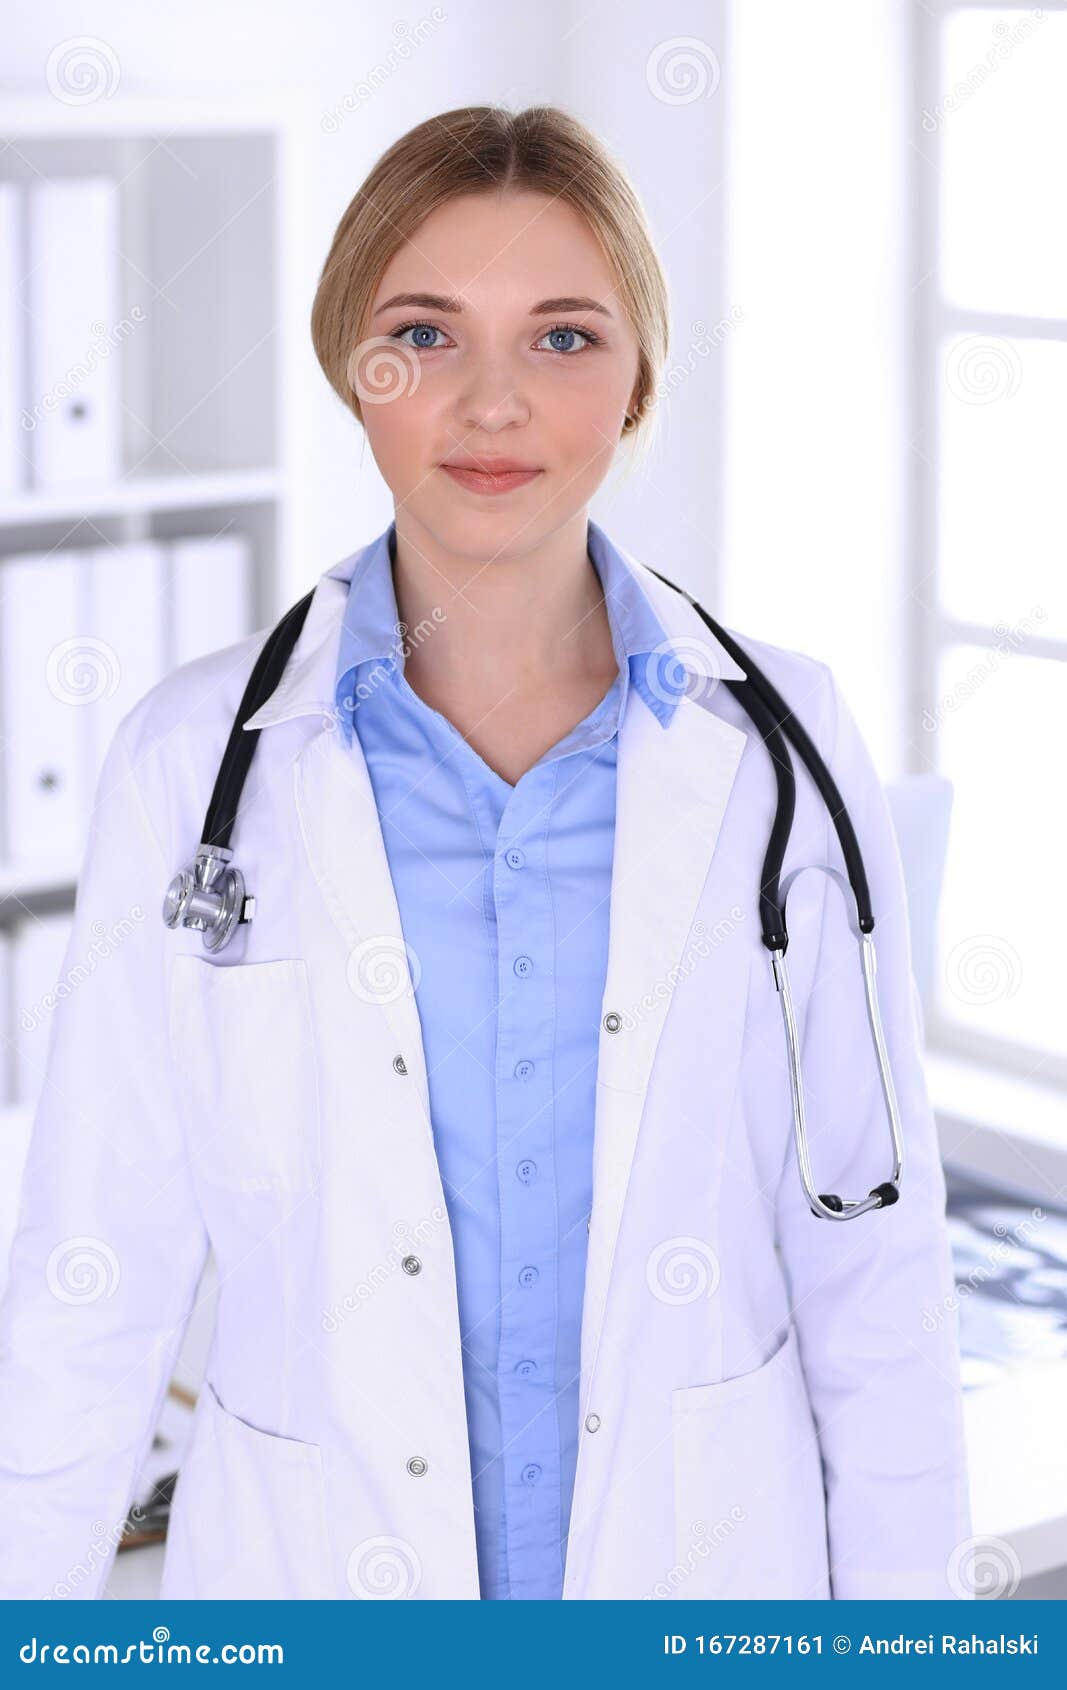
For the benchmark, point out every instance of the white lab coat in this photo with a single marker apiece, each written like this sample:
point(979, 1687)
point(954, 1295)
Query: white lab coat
point(770, 1403)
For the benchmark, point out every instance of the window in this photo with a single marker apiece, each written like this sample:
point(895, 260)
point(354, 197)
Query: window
point(990, 568)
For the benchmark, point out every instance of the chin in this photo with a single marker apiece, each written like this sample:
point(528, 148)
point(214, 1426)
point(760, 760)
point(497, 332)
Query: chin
point(468, 527)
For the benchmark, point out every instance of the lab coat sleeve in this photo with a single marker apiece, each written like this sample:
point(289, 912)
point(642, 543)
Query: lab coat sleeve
point(873, 1298)
point(109, 1242)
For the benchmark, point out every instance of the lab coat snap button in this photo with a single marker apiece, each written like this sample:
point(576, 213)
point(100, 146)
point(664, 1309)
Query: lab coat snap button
point(612, 1022)
point(592, 1421)
point(411, 1264)
point(400, 1065)
point(417, 1465)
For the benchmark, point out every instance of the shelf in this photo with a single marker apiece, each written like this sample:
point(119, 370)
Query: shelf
point(149, 112)
point(150, 493)
point(22, 881)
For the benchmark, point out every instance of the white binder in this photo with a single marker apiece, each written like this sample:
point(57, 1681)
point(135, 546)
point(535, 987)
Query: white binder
point(40, 635)
point(14, 440)
point(74, 314)
point(211, 594)
point(124, 614)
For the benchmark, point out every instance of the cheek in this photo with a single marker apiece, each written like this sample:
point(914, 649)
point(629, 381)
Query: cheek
point(585, 429)
point(397, 432)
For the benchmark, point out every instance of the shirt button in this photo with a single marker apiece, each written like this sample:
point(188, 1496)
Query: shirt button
point(523, 965)
point(592, 1421)
point(411, 1264)
point(527, 1171)
point(417, 1465)
point(524, 1069)
point(400, 1065)
point(525, 1368)
point(528, 1276)
point(531, 1473)
point(514, 857)
point(612, 1021)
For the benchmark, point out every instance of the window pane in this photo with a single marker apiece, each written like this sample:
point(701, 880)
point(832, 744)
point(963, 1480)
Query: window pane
point(1000, 726)
point(1001, 122)
point(1003, 495)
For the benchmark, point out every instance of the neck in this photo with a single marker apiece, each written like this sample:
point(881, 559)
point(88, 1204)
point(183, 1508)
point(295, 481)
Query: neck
point(534, 616)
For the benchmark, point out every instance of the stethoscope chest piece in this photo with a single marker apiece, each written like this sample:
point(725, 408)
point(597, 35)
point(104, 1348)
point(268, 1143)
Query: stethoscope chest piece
point(209, 897)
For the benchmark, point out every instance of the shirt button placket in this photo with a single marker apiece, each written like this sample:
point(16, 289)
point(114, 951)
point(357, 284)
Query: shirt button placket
point(526, 1174)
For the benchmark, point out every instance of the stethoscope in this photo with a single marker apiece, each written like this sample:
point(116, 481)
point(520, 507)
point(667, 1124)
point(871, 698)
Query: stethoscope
point(211, 896)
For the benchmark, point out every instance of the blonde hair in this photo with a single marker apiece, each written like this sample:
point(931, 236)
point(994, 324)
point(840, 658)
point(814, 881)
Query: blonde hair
point(480, 149)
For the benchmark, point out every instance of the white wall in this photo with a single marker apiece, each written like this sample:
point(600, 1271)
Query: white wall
point(652, 86)
point(816, 430)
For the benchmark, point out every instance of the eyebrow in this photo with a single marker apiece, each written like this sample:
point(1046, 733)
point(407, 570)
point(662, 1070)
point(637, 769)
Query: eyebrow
point(442, 302)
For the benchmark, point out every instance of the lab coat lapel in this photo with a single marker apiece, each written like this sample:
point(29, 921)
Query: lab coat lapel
point(343, 840)
point(340, 825)
point(671, 796)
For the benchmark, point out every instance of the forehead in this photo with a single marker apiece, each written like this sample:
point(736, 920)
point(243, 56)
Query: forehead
point(518, 242)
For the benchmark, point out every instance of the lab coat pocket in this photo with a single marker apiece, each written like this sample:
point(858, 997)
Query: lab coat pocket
point(243, 1041)
point(249, 1513)
point(749, 1502)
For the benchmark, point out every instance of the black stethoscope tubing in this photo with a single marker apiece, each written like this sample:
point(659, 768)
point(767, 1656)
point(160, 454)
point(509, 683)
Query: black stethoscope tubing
point(757, 696)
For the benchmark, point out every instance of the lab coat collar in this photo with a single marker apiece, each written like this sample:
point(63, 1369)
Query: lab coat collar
point(308, 685)
point(373, 645)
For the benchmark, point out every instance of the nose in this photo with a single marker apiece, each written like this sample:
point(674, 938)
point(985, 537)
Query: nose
point(492, 396)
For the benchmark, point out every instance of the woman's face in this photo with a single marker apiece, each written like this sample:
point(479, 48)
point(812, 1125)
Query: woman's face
point(495, 334)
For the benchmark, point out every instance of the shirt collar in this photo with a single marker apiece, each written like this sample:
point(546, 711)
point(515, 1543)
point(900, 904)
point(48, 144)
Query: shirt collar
point(372, 634)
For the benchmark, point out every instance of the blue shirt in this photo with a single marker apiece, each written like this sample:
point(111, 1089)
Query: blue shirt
point(503, 893)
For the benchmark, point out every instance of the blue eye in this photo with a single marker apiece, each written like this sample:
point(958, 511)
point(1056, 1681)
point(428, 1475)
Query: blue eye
point(560, 332)
point(417, 328)
point(566, 331)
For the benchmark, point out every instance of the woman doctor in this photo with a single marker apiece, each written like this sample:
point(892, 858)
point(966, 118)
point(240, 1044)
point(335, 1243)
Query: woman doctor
point(486, 1113)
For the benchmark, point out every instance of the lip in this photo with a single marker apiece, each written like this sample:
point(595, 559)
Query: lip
point(502, 479)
